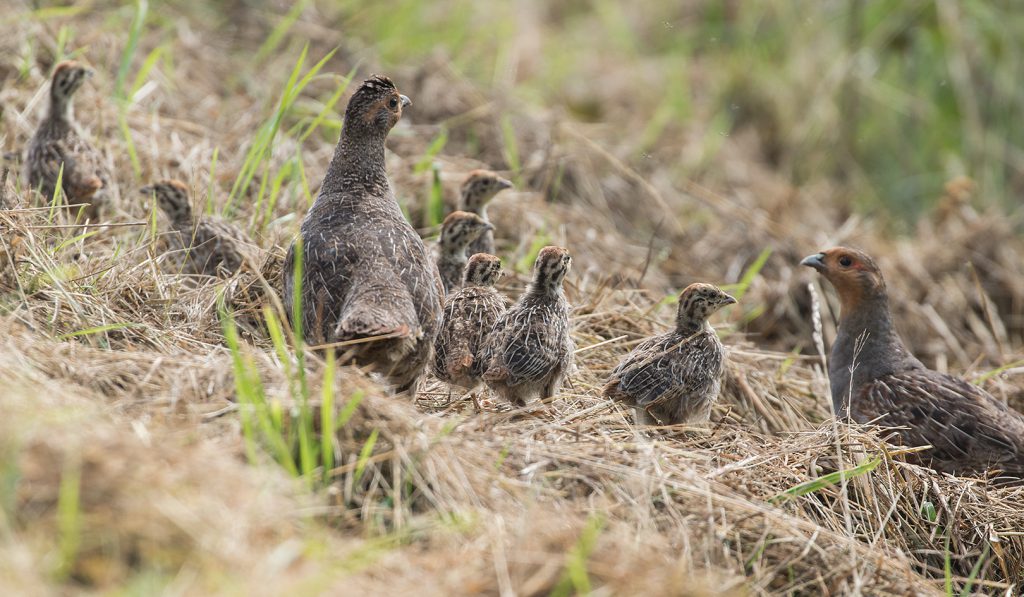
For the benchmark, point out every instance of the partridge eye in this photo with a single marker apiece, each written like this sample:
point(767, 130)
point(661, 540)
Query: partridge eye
point(845, 261)
point(393, 103)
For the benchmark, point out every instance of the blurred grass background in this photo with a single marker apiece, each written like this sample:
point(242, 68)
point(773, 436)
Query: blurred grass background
point(892, 98)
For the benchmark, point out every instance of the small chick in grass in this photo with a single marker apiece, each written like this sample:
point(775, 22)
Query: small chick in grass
point(675, 377)
point(876, 380)
point(208, 245)
point(60, 150)
point(530, 352)
point(476, 192)
point(469, 316)
point(459, 229)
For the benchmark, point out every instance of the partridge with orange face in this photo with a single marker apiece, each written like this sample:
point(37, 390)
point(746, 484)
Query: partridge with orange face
point(876, 380)
point(60, 150)
point(675, 377)
point(529, 352)
point(367, 278)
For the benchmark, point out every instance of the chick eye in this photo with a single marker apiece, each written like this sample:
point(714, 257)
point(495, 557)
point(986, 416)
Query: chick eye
point(393, 103)
point(845, 261)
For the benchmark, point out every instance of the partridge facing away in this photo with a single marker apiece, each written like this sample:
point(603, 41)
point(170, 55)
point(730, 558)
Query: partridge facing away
point(469, 315)
point(675, 377)
point(59, 141)
point(459, 229)
point(208, 245)
point(529, 352)
point(477, 191)
point(366, 275)
point(876, 380)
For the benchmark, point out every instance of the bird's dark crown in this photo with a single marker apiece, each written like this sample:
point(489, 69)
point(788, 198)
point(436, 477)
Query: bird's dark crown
point(375, 107)
point(483, 269)
point(173, 198)
point(698, 301)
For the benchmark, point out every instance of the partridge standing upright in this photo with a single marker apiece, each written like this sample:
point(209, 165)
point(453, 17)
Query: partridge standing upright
point(459, 229)
point(366, 274)
point(876, 380)
point(208, 245)
point(59, 142)
point(675, 377)
point(477, 191)
point(529, 352)
point(469, 315)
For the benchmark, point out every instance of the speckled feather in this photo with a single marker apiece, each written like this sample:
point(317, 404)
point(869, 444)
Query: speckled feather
point(469, 316)
point(459, 229)
point(365, 270)
point(530, 350)
point(675, 377)
point(476, 192)
point(59, 141)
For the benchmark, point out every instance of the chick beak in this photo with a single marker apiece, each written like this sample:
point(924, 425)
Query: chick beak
point(88, 72)
point(488, 226)
point(728, 300)
point(817, 261)
point(406, 102)
point(146, 190)
point(504, 183)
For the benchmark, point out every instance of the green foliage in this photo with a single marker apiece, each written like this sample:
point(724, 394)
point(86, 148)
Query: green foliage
point(69, 515)
point(576, 578)
point(828, 480)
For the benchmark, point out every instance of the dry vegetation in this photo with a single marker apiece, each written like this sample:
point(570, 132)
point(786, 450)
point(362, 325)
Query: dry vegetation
point(131, 448)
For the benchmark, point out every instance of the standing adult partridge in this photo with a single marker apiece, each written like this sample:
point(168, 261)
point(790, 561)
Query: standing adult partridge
point(59, 143)
point(675, 377)
point(367, 278)
point(459, 229)
point(206, 245)
point(876, 380)
point(469, 315)
point(530, 351)
point(477, 191)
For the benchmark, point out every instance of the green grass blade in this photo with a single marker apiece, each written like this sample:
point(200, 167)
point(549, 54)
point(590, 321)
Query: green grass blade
point(327, 423)
point(69, 518)
point(828, 480)
point(274, 39)
point(364, 455)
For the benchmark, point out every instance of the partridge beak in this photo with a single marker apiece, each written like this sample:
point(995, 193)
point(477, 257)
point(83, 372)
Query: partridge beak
point(728, 300)
point(488, 226)
point(406, 102)
point(504, 183)
point(817, 261)
point(89, 73)
point(146, 190)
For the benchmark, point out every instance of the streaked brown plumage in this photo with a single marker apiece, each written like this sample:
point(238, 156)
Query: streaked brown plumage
point(459, 229)
point(876, 380)
point(675, 377)
point(477, 191)
point(469, 315)
point(58, 141)
point(366, 273)
point(205, 245)
point(530, 351)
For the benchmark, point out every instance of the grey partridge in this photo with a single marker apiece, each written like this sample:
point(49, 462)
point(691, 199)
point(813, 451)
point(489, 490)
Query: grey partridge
point(59, 143)
point(476, 192)
point(675, 377)
point(530, 352)
point(368, 281)
point(459, 229)
point(207, 245)
point(875, 379)
point(469, 315)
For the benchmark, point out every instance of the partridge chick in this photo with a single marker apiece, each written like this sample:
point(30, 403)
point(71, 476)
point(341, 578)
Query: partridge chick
point(210, 245)
point(477, 191)
point(58, 141)
point(469, 315)
point(529, 352)
point(876, 380)
point(675, 377)
point(459, 229)
point(366, 273)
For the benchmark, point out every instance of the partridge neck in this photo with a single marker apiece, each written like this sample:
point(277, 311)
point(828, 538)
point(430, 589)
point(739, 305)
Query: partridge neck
point(61, 110)
point(358, 162)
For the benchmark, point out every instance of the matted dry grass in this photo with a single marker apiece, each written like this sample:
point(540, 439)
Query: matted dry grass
point(115, 372)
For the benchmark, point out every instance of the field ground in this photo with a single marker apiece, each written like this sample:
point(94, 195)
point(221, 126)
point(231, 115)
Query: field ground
point(161, 435)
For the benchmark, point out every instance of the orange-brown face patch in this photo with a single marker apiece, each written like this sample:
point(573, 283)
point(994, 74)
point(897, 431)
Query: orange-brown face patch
point(853, 281)
point(382, 104)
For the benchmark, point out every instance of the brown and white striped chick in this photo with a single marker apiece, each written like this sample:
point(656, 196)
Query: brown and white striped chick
point(530, 351)
point(208, 245)
point(477, 191)
point(459, 229)
point(58, 141)
point(469, 315)
point(675, 377)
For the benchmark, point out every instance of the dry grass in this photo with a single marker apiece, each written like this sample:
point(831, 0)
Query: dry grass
point(122, 455)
